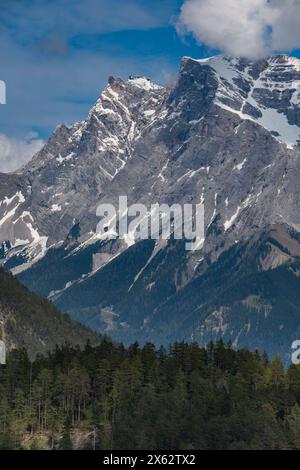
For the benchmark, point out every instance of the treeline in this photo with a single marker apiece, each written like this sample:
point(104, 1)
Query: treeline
point(187, 397)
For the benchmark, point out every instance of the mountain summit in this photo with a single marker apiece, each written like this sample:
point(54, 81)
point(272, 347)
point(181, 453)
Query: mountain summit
point(227, 132)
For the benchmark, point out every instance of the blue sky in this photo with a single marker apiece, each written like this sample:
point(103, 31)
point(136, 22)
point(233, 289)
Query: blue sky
point(56, 56)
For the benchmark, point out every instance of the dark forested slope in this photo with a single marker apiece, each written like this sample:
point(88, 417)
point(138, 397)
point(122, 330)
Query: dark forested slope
point(28, 321)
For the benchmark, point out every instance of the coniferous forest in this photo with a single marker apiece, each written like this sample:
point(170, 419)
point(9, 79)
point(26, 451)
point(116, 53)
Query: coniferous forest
point(186, 397)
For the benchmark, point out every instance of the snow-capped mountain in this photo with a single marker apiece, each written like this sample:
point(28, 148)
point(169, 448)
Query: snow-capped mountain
point(227, 132)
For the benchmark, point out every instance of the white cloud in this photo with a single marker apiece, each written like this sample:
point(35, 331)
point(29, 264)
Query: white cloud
point(250, 28)
point(15, 153)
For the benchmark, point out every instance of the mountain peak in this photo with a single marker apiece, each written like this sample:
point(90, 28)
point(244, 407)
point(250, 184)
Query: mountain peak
point(226, 133)
point(144, 83)
point(138, 81)
point(230, 61)
point(266, 91)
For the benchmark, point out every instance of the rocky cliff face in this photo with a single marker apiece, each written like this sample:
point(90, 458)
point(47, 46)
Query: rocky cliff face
point(227, 133)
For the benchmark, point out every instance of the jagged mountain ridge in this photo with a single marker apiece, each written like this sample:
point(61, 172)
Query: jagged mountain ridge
point(66, 178)
point(227, 132)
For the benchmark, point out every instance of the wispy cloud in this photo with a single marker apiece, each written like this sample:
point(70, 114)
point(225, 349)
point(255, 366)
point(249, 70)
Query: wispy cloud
point(252, 28)
point(15, 153)
point(29, 21)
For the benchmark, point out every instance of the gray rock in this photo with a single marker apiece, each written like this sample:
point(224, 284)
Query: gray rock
point(227, 132)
